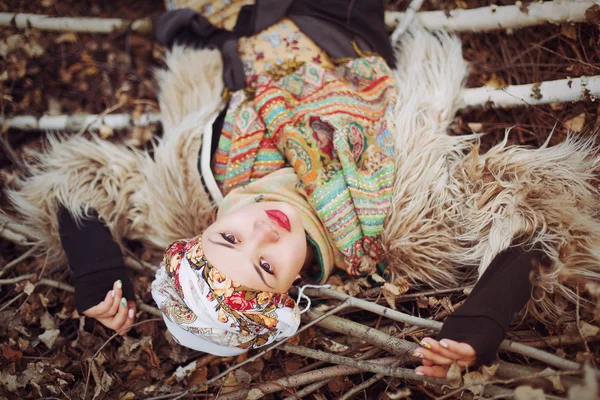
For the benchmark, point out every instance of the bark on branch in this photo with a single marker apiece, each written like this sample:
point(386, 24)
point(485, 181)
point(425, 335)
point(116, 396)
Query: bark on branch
point(74, 24)
point(499, 17)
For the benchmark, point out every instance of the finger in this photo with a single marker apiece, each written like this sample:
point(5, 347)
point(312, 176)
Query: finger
point(429, 355)
point(465, 350)
point(116, 294)
point(427, 363)
point(130, 317)
point(101, 308)
point(436, 371)
point(434, 346)
point(121, 316)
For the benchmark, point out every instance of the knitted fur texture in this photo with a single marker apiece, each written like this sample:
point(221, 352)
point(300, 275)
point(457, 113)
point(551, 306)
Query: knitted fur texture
point(453, 209)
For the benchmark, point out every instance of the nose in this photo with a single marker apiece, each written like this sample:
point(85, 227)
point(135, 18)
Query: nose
point(265, 233)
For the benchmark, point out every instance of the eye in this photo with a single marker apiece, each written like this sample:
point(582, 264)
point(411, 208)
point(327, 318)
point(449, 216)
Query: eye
point(228, 237)
point(266, 266)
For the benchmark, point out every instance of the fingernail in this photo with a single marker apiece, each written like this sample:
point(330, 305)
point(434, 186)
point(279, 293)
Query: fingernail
point(130, 313)
point(415, 354)
point(124, 302)
point(419, 373)
point(443, 344)
point(119, 284)
point(112, 293)
point(425, 344)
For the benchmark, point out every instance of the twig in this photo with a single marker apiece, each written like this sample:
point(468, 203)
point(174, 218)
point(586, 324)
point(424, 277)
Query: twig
point(376, 291)
point(399, 347)
point(578, 322)
point(543, 374)
point(375, 378)
point(499, 17)
point(304, 379)
point(77, 24)
point(561, 340)
point(100, 116)
point(12, 236)
point(8, 267)
point(117, 333)
point(308, 390)
point(8, 303)
point(182, 393)
point(559, 91)
point(374, 308)
point(406, 20)
point(348, 326)
point(77, 122)
point(385, 370)
point(140, 266)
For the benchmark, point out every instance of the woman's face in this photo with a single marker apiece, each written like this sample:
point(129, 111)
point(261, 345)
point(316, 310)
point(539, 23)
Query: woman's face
point(262, 246)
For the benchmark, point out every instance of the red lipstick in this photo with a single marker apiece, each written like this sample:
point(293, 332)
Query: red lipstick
point(280, 219)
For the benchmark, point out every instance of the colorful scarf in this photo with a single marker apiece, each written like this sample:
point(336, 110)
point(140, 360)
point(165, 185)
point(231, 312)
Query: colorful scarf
point(333, 128)
point(207, 311)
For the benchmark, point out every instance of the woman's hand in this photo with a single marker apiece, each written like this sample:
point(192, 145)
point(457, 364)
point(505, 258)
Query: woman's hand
point(437, 357)
point(115, 312)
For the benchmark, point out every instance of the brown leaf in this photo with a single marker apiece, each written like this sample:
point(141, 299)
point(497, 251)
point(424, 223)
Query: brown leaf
point(529, 393)
point(569, 30)
point(337, 384)
point(454, 377)
point(496, 82)
point(576, 123)
point(198, 376)
point(554, 379)
point(589, 389)
point(474, 377)
point(11, 355)
point(67, 37)
point(402, 285)
point(422, 302)
point(390, 292)
point(49, 337)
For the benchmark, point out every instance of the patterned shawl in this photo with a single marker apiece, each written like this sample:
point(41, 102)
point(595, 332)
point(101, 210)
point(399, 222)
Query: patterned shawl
point(332, 127)
point(206, 311)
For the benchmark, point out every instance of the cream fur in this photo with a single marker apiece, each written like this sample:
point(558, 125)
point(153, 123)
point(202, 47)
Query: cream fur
point(454, 208)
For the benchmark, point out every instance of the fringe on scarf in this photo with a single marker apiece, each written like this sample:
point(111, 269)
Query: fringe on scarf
point(455, 209)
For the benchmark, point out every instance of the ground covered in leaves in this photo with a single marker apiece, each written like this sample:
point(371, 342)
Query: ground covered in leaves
point(46, 346)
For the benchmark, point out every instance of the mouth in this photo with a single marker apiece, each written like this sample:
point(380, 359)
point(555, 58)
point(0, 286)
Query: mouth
point(280, 219)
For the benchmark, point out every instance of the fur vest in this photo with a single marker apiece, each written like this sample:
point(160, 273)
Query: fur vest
point(454, 208)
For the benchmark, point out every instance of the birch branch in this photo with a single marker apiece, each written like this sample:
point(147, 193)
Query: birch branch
point(369, 366)
point(559, 91)
point(406, 20)
point(375, 337)
point(75, 24)
point(499, 17)
point(77, 122)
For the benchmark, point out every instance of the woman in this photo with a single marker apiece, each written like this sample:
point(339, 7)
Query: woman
point(325, 157)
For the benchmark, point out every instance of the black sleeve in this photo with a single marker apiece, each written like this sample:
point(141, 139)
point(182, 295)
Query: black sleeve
point(95, 259)
point(499, 295)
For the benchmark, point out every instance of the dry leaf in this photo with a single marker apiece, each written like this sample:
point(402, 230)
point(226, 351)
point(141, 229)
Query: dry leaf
point(400, 394)
point(454, 377)
point(49, 337)
point(588, 330)
point(447, 304)
point(576, 124)
point(529, 393)
point(377, 278)
point(475, 127)
point(474, 377)
point(337, 384)
point(29, 288)
point(422, 302)
point(390, 292)
point(569, 30)
point(554, 379)
point(589, 389)
point(67, 37)
point(496, 82)
point(254, 394)
point(402, 285)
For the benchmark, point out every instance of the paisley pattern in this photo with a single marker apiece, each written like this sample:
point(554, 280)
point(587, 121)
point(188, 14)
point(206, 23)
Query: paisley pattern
point(200, 300)
point(332, 127)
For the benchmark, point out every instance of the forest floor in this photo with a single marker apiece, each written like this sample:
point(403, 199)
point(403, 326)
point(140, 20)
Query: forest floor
point(46, 346)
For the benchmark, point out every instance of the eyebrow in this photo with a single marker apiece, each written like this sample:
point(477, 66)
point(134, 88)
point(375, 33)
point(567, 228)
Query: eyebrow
point(259, 271)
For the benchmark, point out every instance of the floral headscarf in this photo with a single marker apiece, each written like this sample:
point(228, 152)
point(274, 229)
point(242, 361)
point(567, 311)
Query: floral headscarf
point(207, 311)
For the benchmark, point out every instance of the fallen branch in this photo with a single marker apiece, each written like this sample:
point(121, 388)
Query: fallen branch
point(344, 326)
point(77, 122)
point(562, 340)
point(300, 379)
point(499, 17)
point(406, 20)
point(384, 370)
point(366, 384)
point(8, 267)
point(559, 91)
point(12, 236)
point(75, 24)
